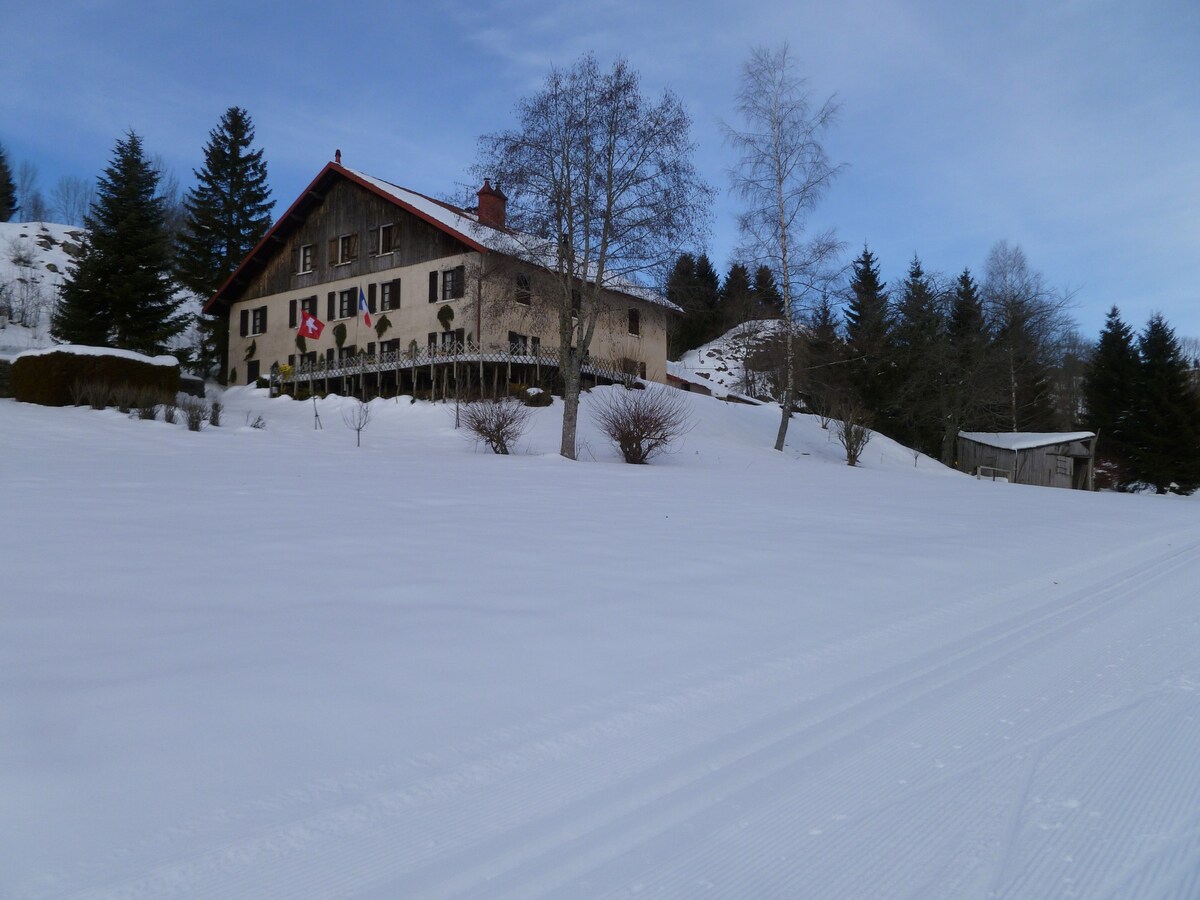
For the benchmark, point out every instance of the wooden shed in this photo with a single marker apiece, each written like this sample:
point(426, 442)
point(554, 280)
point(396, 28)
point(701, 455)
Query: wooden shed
point(1049, 459)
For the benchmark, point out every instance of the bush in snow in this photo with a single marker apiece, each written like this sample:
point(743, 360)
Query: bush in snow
point(214, 415)
point(499, 423)
point(538, 397)
point(124, 397)
point(853, 430)
point(642, 423)
point(195, 412)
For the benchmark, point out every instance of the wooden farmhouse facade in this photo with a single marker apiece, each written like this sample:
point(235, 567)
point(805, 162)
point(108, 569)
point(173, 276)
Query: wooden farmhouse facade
point(456, 299)
point(1049, 459)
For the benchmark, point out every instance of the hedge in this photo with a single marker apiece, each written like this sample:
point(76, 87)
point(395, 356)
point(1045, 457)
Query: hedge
point(46, 377)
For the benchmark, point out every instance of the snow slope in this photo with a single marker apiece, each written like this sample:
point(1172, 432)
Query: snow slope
point(264, 663)
point(34, 258)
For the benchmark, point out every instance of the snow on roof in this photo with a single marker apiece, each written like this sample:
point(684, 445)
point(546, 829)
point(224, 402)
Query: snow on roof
point(499, 240)
point(1024, 440)
point(79, 350)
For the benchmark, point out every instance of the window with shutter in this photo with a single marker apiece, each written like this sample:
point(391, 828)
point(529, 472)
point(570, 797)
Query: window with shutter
point(245, 323)
point(333, 251)
point(309, 305)
point(292, 313)
point(433, 287)
point(395, 293)
point(432, 340)
point(635, 322)
point(306, 258)
point(371, 289)
point(454, 283)
point(331, 305)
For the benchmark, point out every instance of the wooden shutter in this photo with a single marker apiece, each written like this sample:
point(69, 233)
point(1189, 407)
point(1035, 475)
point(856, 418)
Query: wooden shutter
point(395, 293)
point(264, 320)
point(333, 251)
point(373, 240)
point(460, 282)
point(371, 297)
point(352, 251)
point(331, 306)
point(245, 322)
point(433, 287)
point(295, 259)
point(291, 314)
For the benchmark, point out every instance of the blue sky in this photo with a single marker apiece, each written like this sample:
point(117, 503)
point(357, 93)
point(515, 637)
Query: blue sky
point(1068, 127)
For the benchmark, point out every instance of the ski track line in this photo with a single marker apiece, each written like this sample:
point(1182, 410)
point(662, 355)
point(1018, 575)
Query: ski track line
point(294, 837)
point(923, 688)
point(765, 848)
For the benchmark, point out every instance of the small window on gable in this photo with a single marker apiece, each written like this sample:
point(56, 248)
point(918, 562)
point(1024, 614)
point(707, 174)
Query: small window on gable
point(345, 249)
point(635, 322)
point(521, 290)
point(384, 242)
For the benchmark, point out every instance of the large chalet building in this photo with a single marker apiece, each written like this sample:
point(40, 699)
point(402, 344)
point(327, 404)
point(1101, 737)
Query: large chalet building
point(452, 294)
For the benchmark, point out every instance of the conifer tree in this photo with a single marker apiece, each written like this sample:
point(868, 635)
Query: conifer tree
point(8, 189)
point(737, 297)
point(824, 373)
point(1164, 437)
point(920, 352)
point(1109, 389)
point(119, 291)
point(227, 214)
point(972, 398)
point(868, 336)
point(766, 294)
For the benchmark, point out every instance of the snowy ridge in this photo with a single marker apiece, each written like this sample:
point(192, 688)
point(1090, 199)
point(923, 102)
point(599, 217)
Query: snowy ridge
point(34, 259)
point(738, 673)
point(720, 365)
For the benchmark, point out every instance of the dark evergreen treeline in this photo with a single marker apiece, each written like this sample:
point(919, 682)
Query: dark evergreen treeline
point(928, 357)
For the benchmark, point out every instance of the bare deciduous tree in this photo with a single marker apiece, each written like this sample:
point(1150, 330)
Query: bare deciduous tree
point(357, 417)
point(497, 423)
point(600, 177)
point(642, 423)
point(852, 429)
point(71, 199)
point(30, 200)
point(781, 173)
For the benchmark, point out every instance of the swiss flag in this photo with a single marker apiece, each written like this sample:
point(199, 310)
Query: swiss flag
point(310, 325)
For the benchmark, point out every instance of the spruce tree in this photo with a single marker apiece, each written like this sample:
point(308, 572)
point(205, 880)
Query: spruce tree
point(823, 376)
point(972, 384)
point(920, 353)
point(868, 337)
point(766, 294)
point(708, 299)
point(737, 297)
point(119, 291)
point(8, 189)
point(1109, 391)
point(684, 331)
point(1164, 434)
point(227, 214)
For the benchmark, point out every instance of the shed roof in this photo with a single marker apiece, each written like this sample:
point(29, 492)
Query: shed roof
point(1024, 440)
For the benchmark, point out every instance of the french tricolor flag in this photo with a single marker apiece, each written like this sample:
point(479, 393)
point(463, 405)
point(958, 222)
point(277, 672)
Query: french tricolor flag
point(363, 308)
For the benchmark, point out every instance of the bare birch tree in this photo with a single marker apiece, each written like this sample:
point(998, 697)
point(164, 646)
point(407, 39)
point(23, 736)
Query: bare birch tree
point(781, 173)
point(602, 194)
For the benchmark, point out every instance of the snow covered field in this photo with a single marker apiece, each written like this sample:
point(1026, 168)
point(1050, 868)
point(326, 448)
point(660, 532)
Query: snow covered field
point(264, 663)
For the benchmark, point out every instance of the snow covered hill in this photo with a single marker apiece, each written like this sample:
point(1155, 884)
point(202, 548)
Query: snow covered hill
point(34, 257)
point(720, 365)
point(266, 663)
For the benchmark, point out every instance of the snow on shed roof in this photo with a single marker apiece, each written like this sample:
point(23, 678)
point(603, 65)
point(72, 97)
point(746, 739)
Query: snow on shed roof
point(81, 350)
point(1024, 440)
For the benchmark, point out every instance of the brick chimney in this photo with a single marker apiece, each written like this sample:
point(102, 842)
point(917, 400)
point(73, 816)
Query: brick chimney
point(492, 205)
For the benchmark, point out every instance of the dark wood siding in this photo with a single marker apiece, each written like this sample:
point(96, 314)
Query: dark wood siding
point(350, 209)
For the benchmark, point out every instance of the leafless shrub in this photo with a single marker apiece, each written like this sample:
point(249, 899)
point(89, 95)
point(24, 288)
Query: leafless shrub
point(98, 394)
point(642, 423)
point(80, 392)
point(499, 424)
point(214, 415)
point(147, 403)
point(124, 397)
point(257, 422)
point(169, 408)
point(357, 417)
point(195, 412)
point(853, 431)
